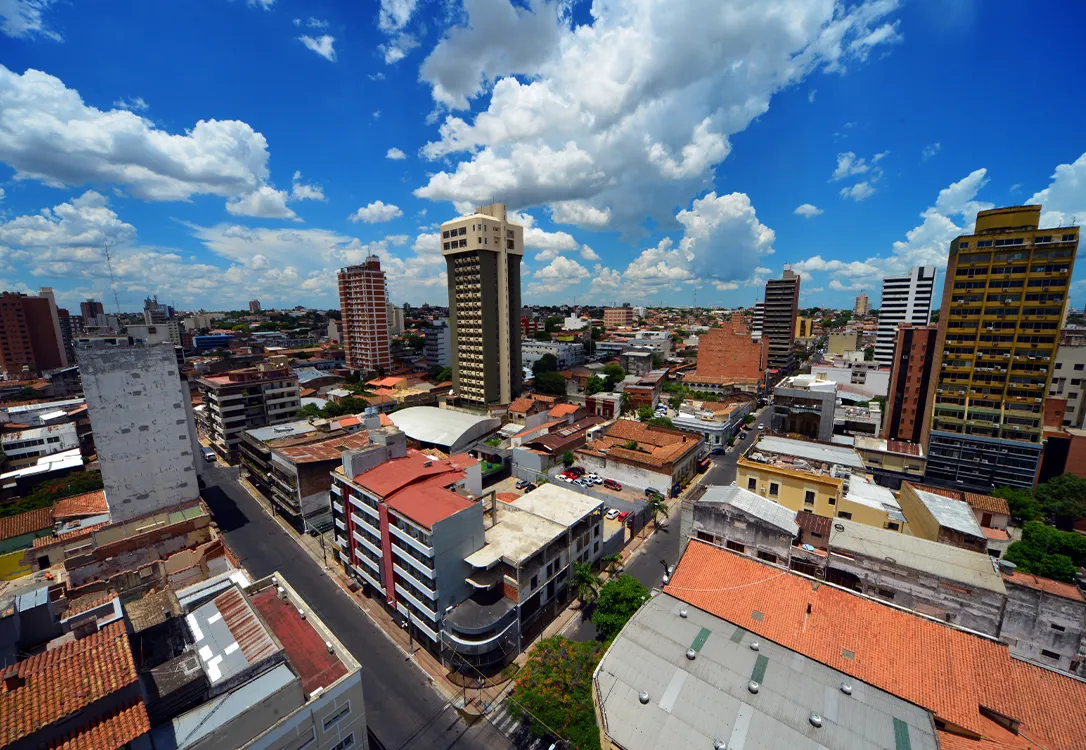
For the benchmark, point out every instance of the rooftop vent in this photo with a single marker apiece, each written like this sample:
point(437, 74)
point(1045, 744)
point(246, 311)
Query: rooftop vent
point(643, 696)
point(719, 744)
point(754, 686)
point(846, 688)
point(691, 654)
point(328, 645)
point(815, 719)
point(754, 645)
point(683, 613)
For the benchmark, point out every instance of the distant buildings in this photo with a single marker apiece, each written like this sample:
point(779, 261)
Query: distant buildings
point(862, 306)
point(141, 414)
point(31, 339)
point(619, 317)
point(438, 346)
point(568, 355)
point(905, 299)
point(1003, 302)
point(395, 319)
point(155, 313)
point(91, 309)
point(1069, 381)
point(758, 319)
point(254, 306)
point(804, 405)
point(483, 252)
point(363, 301)
point(779, 322)
point(910, 382)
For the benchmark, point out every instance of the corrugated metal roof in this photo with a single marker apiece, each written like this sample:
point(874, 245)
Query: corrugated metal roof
point(229, 636)
point(953, 514)
point(755, 505)
point(825, 452)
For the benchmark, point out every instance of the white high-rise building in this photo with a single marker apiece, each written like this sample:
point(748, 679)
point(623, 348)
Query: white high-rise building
point(905, 299)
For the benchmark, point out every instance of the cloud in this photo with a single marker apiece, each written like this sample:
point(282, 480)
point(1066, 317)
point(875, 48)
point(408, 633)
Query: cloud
point(265, 202)
point(1063, 202)
point(84, 222)
point(377, 212)
point(859, 191)
point(671, 81)
point(322, 45)
point(136, 104)
point(930, 150)
point(311, 23)
point(848, 165)
point(560, 274)
point(262, 4)
point(48, 134)
point(588, 253)
point(807, 211)
point(393, 20)
point(580, 213)
point(536, 238)
point(395, 14)
point(395, 154)
point(302, 192)
point(22, 19)
point(811, 95)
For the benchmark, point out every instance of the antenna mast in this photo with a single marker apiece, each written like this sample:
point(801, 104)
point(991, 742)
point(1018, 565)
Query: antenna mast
point(112, 279)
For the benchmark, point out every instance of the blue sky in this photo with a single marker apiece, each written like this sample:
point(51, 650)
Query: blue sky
point(221, 150)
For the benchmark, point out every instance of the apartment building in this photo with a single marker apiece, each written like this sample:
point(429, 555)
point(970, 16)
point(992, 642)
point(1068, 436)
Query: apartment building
point(254, 306)
point(438, 347)
point(779, 319)
point(862, 306)
point(1003, 304)
point(905, 299)
point(910, 386)
point(619, 317)
point(483, 252)
point(1069, 380)
point(31, 340)
point(804, 405)
point(758, 319)
point(25, 447)
point(241, 400)
point(395, 319)
point(363, 303)
point(568, 355)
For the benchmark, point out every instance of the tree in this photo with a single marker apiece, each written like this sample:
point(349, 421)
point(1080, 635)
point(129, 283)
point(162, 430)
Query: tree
point(618, 600)
point(1058, 568)
point(614, 373)
point(586, 584)
point(630, 445)
point(661, 422)
point(869, 354)
point(658, 507)
point(434, 372)
point(675, 401)
point(308, 411)
point(625, 402)
point(1023, 505)
point(553, 323)
point(1039, 543)
point(644, 412)
point(553, 691)
point(595, 385)
point(568, 459)
point(303, 355)
point(596, 333)
point(241, 327)
point(542, 336)
point(611, 563)
point(547, 363)
point(657, 360)
point(1064, 499)
point(550, 382)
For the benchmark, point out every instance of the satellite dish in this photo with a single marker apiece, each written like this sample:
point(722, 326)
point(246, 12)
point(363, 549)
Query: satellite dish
point(839, 526)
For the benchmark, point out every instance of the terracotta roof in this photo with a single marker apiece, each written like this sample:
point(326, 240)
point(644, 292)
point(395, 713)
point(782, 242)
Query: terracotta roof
point(396, 474)
point(563, 410)
point(950, 672)
point(26, 523)
point(521, 405)
point(153, 609)
point(79, 506)
point(987, 503)
point(900, 446)
point(68, 536)
point(1047, 585)
point(89, 602)
point(110, 732)
point(813, 522)
point(65, 680)
point(996, 535)
point(952, 494)
point(330, 449)
point(507, 497)
point(657, 446)
point(310, 658)
point(428, 502)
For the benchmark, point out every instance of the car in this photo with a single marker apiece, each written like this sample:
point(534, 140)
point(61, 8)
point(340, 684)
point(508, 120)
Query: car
point(761, 426)
point(581, 483)
point(522, 484)
point(653, 492)
point(529, 487)
point(576, 470)
point(568, 478)
point(623, 515)
point(611, 484)
point(611, 514)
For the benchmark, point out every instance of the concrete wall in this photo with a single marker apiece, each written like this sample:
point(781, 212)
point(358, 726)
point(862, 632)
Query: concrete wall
point(1032, 621)
point(626, 474)
point(453, 539)
point(136, 402)
point(720, 523)
point(292, 732)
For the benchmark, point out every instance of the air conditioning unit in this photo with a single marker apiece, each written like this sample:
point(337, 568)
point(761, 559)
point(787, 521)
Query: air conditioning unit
point(1037, 400)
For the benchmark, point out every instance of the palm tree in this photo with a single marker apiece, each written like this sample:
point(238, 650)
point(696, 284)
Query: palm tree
point(658, 507)
point(611, 562)
point(586, 584)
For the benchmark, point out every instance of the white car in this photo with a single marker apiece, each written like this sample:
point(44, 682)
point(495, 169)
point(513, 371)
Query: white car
point(761, 426)
point(611, 514)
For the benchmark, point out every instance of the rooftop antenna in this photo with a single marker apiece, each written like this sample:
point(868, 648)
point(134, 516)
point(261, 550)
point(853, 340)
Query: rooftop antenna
point(112, 280)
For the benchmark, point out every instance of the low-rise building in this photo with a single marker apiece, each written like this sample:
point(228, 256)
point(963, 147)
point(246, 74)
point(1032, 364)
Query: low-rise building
point(645, 389)
point(730, 357)
point(716, 421)
point(242, 400)
point(603, 404)
point(804, 405)
point(992, 514)
point(447, 430)
point(891, 462)
point(568, 355)
point(742, 521)
point(941, 519)
point(636, 361)
point(19, 531)
point(25, 447)
point(641, 455)
point(1044, 621)
point(862, 380)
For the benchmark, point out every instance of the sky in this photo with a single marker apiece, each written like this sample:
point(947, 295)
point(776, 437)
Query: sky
point(218, 151)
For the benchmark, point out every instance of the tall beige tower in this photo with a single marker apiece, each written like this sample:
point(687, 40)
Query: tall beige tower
point(483, 252)
point(363, 300)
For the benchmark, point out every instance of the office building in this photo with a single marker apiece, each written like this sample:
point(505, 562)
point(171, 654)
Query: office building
point(438, 346)
point(363, 300)
point(779, 319)
point(254, 306)
point(862, 306)
point(905, 299)
point(154, 313)
point(619, 317)
point(395, 319)
point(1003, 302)
point(483, 252)
point(758, 319)
point(910, 382)
point(91, 309)
point(1069, 379)
point(241, 400)
point(141, 414)
point(804, 327)
point(31, 340)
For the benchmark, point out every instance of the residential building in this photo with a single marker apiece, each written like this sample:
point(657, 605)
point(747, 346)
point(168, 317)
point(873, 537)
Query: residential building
point(241, 400)
point(758, 319)
point(30, 337)
point(1044, 621)
point(741, 520)
point(636, 361)
point(804, 405)
point(992, 515)
point(395, 319)
point(19, 531)
point(619, 317)
point(155, 313)
point(729, 357)
point(141, 414)
point(67, 334)
point(891, 462)
point(603, 404)
point(529, 325)
point(1003, 303)
point(363, 300)
point(644, 390)
point(568, 355)
point(335, 331)
point(779, 321)
point(862, 306)
point(862, 381)
point(641, 455)
point(910, 386)
point(839, 343)
point(91, 309)
point(717, 422)
point(804, 327)
point(825, 479)
point(254, 306)
point(438, 348)
point(660, 344)
point(483, 252)
point(935, 516)
point(25, 447)
point(201, 320)
point(1069, 381)
point(905, 299)
point(165, 332)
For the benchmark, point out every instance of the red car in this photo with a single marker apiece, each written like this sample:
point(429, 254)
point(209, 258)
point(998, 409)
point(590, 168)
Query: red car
point(576, 471)
point(611, 484)
point(623, 516)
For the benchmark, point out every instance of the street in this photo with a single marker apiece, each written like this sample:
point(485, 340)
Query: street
point(402, 709)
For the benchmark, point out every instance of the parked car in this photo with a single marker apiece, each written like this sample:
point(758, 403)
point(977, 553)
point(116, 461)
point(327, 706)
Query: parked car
point(623, 515)
point(522, 484)
point(576, 470)
point(761, 426)
point(529, 487)
point(653, 492)
point(611, 514)
point(611, 484)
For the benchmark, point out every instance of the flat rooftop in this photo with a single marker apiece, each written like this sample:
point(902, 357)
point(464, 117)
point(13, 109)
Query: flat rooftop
point(865, 492)
point(330, 449)
point(557, 504)
point(287, 429)
point(826, 453)
point(516, 536)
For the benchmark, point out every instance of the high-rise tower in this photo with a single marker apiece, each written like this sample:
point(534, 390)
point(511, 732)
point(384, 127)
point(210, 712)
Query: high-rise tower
point(362, 302)
point(905, 299)
point(779, 319)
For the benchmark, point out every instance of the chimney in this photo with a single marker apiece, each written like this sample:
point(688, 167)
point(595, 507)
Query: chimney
point(12, 680)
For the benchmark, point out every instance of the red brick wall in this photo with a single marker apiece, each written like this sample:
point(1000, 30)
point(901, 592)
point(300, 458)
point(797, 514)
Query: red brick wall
point(1054, 412)
point(1076, 457)
point(729, 352)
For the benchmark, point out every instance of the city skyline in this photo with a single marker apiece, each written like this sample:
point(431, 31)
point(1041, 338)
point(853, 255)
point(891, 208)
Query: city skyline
point(303, 139)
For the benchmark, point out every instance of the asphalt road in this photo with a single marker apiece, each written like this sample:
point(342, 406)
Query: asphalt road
point(402, 709)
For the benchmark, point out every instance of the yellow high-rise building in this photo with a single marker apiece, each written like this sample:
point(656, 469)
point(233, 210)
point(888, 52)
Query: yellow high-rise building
point(1003, 301)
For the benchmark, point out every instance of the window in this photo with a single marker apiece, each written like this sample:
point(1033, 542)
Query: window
point(1050, 654)
point(886, 594)
point(735, 546)
point(1058, 628)
point(808, 497)
point(767, 556)
point(752, 484)
point(1068, 238)
point(816, 535)
point(1072, 395)
point(1076, 381)
point(844, 514)
point(1079, 367)
point(832, 501)
point(1059, 365)
point(336, 716)
point(774, 488)
point(534, 582)
point(596, 548)
point(893, 526)
point(344, 743)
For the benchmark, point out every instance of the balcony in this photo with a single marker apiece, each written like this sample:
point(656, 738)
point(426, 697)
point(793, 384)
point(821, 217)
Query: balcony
point(365, 508)
point(425, 588)
point(404, 536)
point(426, 608)
point(421, 567)
point(338, 507)
point(423, 625)
point(369, 563)
point(478, 621)
point(368, 577)
point(361, 539)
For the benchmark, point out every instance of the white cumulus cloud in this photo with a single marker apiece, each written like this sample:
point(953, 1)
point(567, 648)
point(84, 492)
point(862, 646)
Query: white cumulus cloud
point(1063, 202)
point(807, 211)
point(323, 45)
point(395, 154)
point(300, 191)
point(377, 212)
point(23, 19)
point(859, 191)
point(265, 202)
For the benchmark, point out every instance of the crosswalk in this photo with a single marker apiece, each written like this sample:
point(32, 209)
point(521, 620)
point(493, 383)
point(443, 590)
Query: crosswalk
point(521, 737)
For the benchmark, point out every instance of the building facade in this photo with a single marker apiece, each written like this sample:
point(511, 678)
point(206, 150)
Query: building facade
point(254, 306)
point(619, 317)
point(30, 334)
point(779, 319)
point(363, 300)
point(484, 252)
point(438, 347)
point(804, 405)
point(905, 299)
point(242, 400)
point(862, 306)
point(1003, 303)
point(1069, 381)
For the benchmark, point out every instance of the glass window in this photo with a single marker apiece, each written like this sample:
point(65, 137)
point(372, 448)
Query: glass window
point(336, 716)
point(773, 489)
point(808, 497)
point(844, 514)
point(1079, 366)
point(752, 484)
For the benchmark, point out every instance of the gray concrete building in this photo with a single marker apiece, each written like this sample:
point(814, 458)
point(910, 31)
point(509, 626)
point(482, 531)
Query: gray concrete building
point(742, 521)
point(779, 319)
point(1044, 621)
point(805, 405)
point(1069, 381)
point(438, 347)
point(141, 415)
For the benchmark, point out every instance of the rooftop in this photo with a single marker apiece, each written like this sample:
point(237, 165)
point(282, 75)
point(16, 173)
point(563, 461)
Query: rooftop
point(78, 506)
point(864, 442)
point(114, 730)
point(314, 664)
point(949, 513)
point(30, 522)
point(1047, 585)
point(228, 635)
point(656, 446)
point(330, 449)
point(442, 427)
point(287, 429)
point(982, 503)
point(753, 504)
point(826, 453)
point(152, 609)
point(865, 492)
point(946, 561)
point(516, 536)
point(32, 433)
point(557, 504)
point(429, 501)
point(963, 679)
point(397, 473)
point(809, 383)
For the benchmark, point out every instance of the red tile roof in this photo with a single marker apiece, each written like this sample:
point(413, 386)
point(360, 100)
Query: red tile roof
point(61, 682)
point(563, 410)
point(87, 603)
point(68, 536)
point(304, 646)
point(900, 446)
point(428, 502)
point(987, 503)
point(1047, 585)
point(110, 732)
point(26, 523)
point(950, 672)
point(521, 405)
point(80, 506)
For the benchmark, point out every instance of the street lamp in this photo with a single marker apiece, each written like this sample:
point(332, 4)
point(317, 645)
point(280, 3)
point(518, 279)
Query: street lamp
point(406, 625)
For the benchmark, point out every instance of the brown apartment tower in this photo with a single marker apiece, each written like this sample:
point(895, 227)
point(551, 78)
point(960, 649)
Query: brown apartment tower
point(363, 300)
point(779, 319)
point(910, 382)
point(30, 334)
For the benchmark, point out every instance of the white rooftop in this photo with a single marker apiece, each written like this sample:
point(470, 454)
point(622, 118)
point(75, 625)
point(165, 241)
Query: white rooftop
point(865, 492)
point(824, 452)
point(454, 430)
point(753, 504)
point(953, 514)
point(809, 382)
point(558, 504)
point(516, 536)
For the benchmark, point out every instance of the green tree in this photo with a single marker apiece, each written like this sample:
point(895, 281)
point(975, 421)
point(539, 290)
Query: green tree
point(241, 327)
point(630, 445)
point(542, 336)
point(644, 412)
point(547, 363)
point(1023, 505)
point(553, 691)
point(618, 600)
point(1064, 499)
point(553, 323)
point(611, 563)
point(434, 372)
point(596, 333)
point(658, 507)
point(1058, 568)
point(595, 385)
point(414, 341)
point(586, 583)
point(44, 494)
point(550, 382)
point(308, 411)
point(614, 373)
point(568, 459)
point(675, 401)
point(869, 354)
point(661, 422)
point(625, 402)
point(303, 355)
